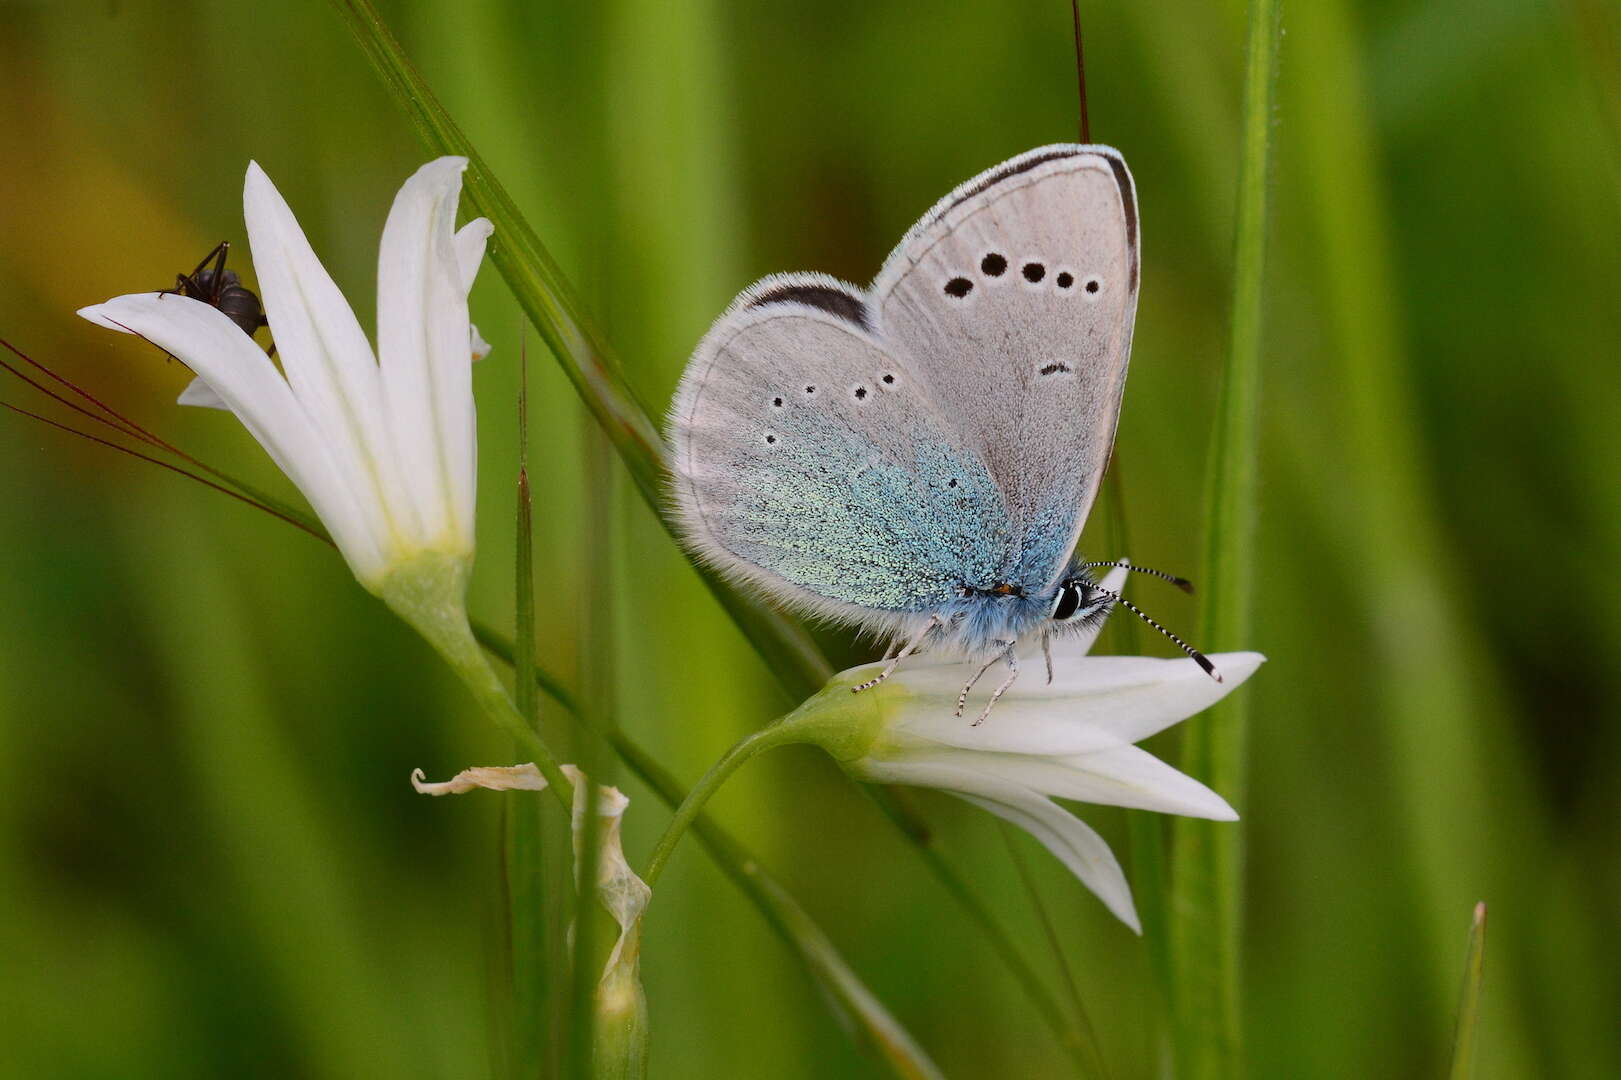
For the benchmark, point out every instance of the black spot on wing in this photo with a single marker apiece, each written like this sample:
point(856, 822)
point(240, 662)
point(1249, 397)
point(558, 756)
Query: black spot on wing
point(835, 301)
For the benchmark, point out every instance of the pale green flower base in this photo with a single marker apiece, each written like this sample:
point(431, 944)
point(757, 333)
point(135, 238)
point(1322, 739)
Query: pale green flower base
point(620, 1044)
point(429, 591)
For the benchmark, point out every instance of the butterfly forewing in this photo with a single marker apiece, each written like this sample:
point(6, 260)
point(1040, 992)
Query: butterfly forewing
point(1014, 299)
point(812, 462)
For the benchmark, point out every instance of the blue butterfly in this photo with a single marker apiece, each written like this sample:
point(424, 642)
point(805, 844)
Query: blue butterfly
point(918, 457)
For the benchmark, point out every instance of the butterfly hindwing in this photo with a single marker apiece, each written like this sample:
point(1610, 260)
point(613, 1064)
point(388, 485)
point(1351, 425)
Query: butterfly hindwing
point(812, 462)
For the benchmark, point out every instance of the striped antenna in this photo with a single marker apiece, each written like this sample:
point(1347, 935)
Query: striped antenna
point(1180, 582)
point(1197, 656)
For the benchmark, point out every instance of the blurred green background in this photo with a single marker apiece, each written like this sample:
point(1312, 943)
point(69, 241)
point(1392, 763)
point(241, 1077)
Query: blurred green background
point(211, 862)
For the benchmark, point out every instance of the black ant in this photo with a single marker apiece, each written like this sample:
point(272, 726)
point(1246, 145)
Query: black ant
point(223, 289)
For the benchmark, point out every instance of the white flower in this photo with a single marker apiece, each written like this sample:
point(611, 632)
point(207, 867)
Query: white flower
point(386, 452)
point(1070, 739)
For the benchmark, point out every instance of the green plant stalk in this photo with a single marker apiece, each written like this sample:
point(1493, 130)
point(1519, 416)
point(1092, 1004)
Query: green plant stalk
point(1070, 1038)
point(888, 1039)
point(741, 752)
point(1146, 832)
point(523, 852)
point(547, 298)
point(1091, 1060)
point(430, 594)
point(1467, 1033)
point(1207, 858)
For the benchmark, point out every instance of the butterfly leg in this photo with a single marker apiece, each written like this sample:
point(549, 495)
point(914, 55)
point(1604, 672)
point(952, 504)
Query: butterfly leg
point(1013, 673)
point(895, 661)
point(1047, 652)
point(1007, 652)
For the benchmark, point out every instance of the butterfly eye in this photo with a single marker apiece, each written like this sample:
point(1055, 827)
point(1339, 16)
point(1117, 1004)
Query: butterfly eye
point(1067, 603)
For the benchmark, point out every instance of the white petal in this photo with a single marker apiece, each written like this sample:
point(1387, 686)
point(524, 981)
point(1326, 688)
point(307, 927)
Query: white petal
point(478, 346)
point(1093, 703)
point(423, 343)
point(1150, 784)
point(1122, 776)
point(326, 355)
point(470, 241)
point(1074, 842)
point(201, 395)
point(250, 386)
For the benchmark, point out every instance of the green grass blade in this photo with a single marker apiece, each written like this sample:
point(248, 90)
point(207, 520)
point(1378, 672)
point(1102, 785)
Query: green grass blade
point(1437, 703)
point(549, 301)
point(884, 1035)
point(1474, 974)
point(1150, 885)
point(523, 850)
point(1088, 1055)
point(1070, 1037)
point(1208, 857)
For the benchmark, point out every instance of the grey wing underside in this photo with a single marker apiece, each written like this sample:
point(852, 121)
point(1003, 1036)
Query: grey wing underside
point(813, 463)
point(1030, 371)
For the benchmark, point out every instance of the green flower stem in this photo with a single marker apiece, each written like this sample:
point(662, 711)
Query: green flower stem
point(430, 593)
point(838, 721)
point(743, 751)
point(1208, 857)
